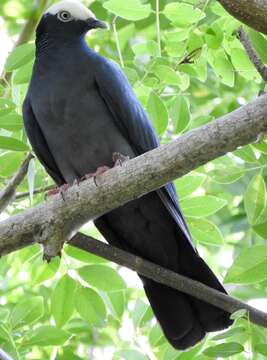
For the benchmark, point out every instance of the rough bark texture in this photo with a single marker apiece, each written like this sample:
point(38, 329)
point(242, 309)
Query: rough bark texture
point(8, 193)
point(251, 12)
point(57, 220)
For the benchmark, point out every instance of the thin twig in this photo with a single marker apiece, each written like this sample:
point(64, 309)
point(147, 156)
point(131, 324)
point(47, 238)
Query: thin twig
point(167, 277)
point(41, 190)
point(158, 28)
point(114, 27)
point(8, 193)
point(189, 58)
point(253, 56)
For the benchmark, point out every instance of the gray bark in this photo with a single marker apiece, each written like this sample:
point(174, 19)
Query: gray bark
point(251, 12)
point(57, 220)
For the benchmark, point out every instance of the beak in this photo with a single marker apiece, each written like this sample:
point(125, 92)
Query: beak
point(96, 24)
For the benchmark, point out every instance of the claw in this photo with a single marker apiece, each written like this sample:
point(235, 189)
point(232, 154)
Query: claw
point(59, 190)
point(119, 159)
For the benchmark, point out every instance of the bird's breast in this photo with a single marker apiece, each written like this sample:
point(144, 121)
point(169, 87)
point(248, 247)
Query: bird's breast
point(78, 126)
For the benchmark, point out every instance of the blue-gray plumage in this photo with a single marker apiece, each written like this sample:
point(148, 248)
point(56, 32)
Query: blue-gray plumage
point(79, 110)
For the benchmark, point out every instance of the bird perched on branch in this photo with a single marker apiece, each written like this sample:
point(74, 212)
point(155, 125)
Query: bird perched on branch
point(79, 110)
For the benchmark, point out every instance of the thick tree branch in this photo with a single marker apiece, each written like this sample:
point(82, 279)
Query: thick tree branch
point(167, 277)
point(251, 12)
point(254, 58)
point(57, 220)
point(8, 193)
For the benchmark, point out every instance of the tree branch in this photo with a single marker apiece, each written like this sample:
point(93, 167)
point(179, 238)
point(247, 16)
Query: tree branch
point(58, 220)
point(167, 277)
point(8, 193)
point(254, 58)
point(251, 12)
point(37, 191)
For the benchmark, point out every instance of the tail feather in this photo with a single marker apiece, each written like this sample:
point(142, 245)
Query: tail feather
point(184, 319)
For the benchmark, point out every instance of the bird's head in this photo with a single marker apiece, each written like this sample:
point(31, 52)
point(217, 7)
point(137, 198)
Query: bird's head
point(68, 18)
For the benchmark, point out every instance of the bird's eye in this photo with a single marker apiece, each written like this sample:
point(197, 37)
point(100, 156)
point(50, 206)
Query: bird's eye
point(64, 16)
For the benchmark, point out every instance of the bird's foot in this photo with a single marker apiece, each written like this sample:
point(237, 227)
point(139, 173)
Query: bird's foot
point(100, 170)
point(119, 159)
point(59, 190)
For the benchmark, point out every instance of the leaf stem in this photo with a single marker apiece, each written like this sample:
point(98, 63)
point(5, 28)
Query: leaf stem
point(117, 41)
point(158, 27)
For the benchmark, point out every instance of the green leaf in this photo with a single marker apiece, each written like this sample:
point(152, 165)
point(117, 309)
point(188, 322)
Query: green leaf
point(20, 56)
point(223, 68)
point(214, 36)
point(180, 114)
point(132, 10)
point(10, 162)
point(157, 112)
point(255, 199)
point(9, 143)
point(224, 350)
point(4, 332)
point(23, 74)
point(139, 312)
point(249, 266)
point(226, 175)
point(262, 147)
point(90, 306)
point(166, 74)
point(102, 277)
point(239, 314)
point(6, 106)
point(11, 122)
point(243, 65)
point(47, 336)
point(229, 333)
point(62, 301)
point(261, 348)
point(27, 312)
point(202, 206)
point(247, 154)
point(149, 48)
point(116, 303)
point(129, 354)
point(156, 336)
point(187, 184)
point(182, 14)
point(260, 44)
point(261, 229)
point(43, 271)
point(205, 232)
point(82, 255)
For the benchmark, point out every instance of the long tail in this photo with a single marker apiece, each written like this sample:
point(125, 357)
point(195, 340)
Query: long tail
point(185, 320)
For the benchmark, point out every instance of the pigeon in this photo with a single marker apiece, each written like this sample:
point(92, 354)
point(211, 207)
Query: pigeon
point(79, 110)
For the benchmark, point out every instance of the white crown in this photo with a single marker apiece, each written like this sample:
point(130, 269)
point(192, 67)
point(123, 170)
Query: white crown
point(74, 7)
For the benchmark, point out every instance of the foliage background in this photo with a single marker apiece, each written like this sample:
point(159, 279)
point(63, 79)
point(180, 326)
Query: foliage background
point(81, 306)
